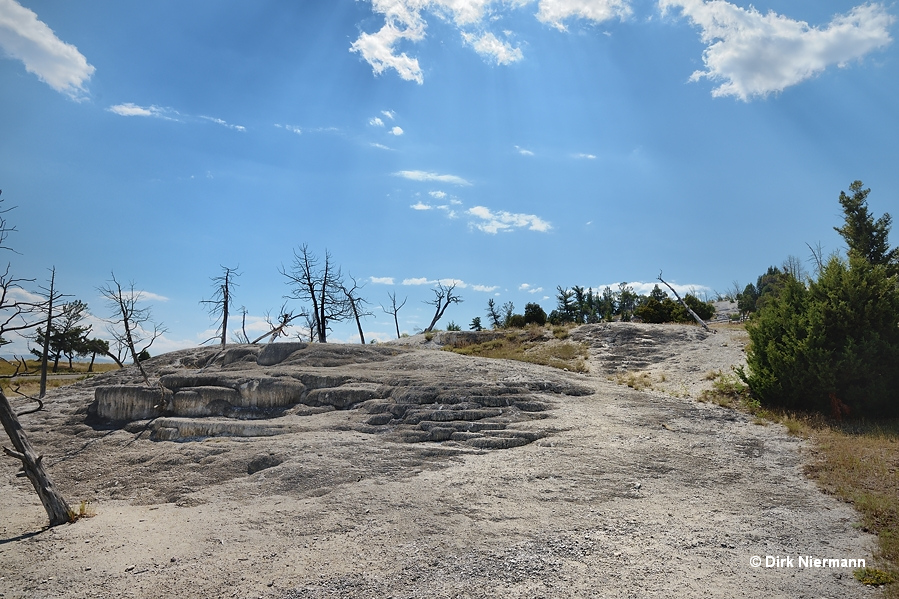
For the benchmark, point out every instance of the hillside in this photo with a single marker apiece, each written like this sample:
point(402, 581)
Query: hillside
point(401, 470)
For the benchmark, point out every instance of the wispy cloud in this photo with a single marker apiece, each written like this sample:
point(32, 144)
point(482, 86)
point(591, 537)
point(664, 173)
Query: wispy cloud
point(376, 122)
point(58, 64)
point(485, 288)
point(290, 128)
point(523, 151)
point(426, 176)
point(437, 194)
point(382, 280)
point(224, 123)
point(380, 146)
point(529, 288)
point(753, 54)
point(492, 222)
point(389, 114)
point(585, 156)
point(129, 109)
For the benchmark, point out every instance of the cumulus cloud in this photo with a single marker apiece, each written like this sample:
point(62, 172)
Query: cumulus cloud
point(489, 221)
point(404, 21)
point(224, 123)
point(418, 281)
point(421, 206)
point(437, 194)
point(382, 280)
point(426, 176)
point(396, 131)
point(530, 289)
point(376, 122)
point(485, 288)
point(25, 37)
point(554, 12)
point(753, 54)
point(491, 47)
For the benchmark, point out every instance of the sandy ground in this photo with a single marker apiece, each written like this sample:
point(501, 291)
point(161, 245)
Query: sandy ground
point(627, 494)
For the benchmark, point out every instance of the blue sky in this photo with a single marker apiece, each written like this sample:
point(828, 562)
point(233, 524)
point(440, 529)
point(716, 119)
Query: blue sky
point(511, 146)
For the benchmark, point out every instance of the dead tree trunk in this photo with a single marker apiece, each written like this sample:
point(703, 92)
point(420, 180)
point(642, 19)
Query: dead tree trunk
point(57, 508)
point(686, 307)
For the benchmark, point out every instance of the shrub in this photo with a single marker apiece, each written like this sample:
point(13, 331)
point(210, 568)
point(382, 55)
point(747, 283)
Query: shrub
point(534, 314)
point(830, 347)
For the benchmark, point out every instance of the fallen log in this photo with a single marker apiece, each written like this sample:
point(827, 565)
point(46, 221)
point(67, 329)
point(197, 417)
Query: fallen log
point(57, 508)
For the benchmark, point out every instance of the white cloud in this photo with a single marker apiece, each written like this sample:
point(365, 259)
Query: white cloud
point(493, 222)
point(426, 176)
point(527, 287)
point(418, 281)
point(457, 283)
point(553, 12)
point(404, 22)
point(396, 131)
point(224, 123)
point(753, 54)
point(456, 202)
point(421, 206)
point(290, 128)
point(585, 156)
point(523, 151)
point(58, 64)
point(380, 146)
point(401, 22)
point(376, 122)
point(382, 280)
point(129, 109)
point(485, 288)
point(389, 114)
point(491, 47)
point(149, 296)
point(437, 194)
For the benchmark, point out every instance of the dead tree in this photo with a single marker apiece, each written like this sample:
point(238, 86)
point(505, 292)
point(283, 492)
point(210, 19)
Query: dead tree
point(443, 297)
point(131, 326)
point(57, 508)
point(320, 283)
point(220, 303)
point(357, 305)
point(12, 318)
point(280, 329)
point(394, 310)
point(241, 335)
point(684, 304)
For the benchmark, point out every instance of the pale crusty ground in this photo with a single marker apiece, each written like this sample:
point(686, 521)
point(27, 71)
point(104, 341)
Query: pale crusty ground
point(633, 494)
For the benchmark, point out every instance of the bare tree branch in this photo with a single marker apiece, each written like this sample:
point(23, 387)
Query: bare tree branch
point(394, 310)
point(443, 297)
point(130, 324)
point(220, 303)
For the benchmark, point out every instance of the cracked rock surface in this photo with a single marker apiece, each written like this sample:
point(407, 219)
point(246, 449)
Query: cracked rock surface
point(401, 471)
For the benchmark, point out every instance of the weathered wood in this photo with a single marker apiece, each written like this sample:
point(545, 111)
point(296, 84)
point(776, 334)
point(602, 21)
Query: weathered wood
point(57, 508)
point(684, 304)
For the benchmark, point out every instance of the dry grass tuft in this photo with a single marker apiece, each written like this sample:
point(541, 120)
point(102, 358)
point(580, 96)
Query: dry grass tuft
point(529, 345)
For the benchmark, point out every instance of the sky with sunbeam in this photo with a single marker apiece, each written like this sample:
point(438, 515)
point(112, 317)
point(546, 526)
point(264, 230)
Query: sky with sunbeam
point(509, 146)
